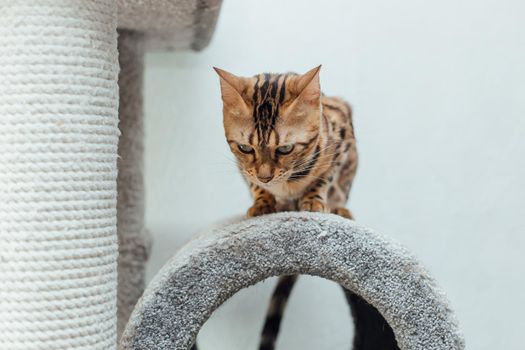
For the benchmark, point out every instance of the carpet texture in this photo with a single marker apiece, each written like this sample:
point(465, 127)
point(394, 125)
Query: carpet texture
point(213, 267)
point(170, 24)
point(134, 241)
point(145, 25)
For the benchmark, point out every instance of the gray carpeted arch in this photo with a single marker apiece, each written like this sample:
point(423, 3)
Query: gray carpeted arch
point(213, 267)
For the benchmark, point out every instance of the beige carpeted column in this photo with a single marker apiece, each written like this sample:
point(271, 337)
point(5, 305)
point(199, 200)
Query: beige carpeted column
point(133, 240)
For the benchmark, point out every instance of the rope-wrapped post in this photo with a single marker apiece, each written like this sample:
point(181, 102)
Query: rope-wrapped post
point(58, 157)
point(213, 267)
point(133, 239)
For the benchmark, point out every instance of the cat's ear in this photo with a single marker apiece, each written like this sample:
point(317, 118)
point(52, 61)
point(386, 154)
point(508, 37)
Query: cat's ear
point(232, 87)
point(308, 88)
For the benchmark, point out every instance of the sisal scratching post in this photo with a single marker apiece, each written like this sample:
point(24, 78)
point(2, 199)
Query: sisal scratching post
point(58, 155)
point(133, 240)
point(213, 267)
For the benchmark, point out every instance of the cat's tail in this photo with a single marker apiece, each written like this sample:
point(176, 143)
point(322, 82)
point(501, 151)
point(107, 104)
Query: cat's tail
point(372, 332)
point(275, 311)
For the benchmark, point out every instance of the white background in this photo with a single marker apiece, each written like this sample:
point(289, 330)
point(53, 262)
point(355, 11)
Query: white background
point(438, 90)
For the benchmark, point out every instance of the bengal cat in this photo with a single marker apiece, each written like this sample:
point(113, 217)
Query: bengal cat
point(296, 149)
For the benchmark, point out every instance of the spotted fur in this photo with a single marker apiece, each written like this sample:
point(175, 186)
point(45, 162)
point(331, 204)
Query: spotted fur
point(267, 113)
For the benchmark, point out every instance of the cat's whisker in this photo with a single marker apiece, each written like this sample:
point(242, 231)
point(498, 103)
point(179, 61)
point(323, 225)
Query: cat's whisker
point(319, 164)
point(313, 155)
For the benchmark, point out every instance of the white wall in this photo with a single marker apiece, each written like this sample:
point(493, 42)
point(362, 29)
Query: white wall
point(438, 89)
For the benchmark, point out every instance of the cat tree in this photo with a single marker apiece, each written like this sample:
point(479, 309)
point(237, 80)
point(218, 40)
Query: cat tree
point(64, 191)
point(59, 131)
point(216, 265)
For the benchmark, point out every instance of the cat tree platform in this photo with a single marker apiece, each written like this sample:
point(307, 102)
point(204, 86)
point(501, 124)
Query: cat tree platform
point(216, 265)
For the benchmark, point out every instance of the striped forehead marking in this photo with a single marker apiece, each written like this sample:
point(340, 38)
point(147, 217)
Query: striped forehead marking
point(269, 92)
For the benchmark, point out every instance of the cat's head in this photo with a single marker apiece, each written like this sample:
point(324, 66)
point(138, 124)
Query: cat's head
point(272, 123)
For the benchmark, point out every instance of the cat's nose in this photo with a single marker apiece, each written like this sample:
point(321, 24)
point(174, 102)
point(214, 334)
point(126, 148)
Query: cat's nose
point(265, 179)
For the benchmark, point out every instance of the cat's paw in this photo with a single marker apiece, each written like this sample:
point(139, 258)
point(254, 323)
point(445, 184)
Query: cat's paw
point(313, 205)
point(259, 209)
point(343, 212)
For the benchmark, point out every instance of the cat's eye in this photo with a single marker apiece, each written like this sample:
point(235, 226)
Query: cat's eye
point(245, 148)
point(286, 149)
